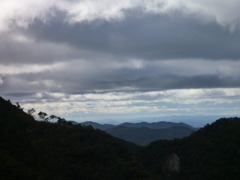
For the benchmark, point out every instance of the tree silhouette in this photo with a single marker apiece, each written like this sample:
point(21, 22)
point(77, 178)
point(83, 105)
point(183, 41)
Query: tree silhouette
point(31, 111)
point(43, 116)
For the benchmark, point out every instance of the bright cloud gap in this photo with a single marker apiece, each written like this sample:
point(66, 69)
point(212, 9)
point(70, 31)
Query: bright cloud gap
point(159, 103)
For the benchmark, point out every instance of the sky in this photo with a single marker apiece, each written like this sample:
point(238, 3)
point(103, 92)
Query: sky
point(112, 61)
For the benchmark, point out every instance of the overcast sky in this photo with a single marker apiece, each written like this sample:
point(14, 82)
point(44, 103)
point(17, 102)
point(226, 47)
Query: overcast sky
point(115, 60)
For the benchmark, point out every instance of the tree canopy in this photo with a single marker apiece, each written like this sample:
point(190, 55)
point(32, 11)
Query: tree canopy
point(44, 150)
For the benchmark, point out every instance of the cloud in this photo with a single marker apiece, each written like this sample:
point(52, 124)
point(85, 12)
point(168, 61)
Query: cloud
point(28, 69)
point(129, 56)
point(154, 103)
point(150, 37)
point(23, 14)
point(1, 80)
point(83, 76)
point(149, 30)
point(223, 12)
point(20, 48)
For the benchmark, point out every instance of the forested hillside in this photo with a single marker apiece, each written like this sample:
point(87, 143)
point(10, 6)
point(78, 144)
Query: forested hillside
point(31, 149)
point(213, 152)
point(41, 150)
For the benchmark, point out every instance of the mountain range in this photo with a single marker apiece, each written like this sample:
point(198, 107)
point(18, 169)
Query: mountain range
point(144, 133)
point(43, 150)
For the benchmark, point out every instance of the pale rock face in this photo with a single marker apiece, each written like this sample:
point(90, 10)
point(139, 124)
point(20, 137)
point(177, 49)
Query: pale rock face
point(172, 163)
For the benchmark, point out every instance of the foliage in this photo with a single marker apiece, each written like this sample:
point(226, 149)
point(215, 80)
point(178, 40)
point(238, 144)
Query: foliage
point(43, 116)
point(31, 111)
point(213, 152)
point(42, 150)
point(32, 149)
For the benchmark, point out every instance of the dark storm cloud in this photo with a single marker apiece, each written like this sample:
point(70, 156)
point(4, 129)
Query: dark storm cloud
point(150, 36)
point(91, 77)
point(164, 82)
point(17, 48)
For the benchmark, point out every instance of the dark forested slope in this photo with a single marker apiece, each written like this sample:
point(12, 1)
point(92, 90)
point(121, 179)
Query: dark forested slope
point(31, 149)
point(40, 150)
point(213, 152)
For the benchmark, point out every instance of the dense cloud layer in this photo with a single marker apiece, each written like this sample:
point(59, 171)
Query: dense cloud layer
point(22, 14)
point(131, 46)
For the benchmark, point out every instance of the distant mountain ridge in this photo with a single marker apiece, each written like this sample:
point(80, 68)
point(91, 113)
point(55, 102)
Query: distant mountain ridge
point(156, 125)
point(144, 133)
point(153, 125)
point(97, 125)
